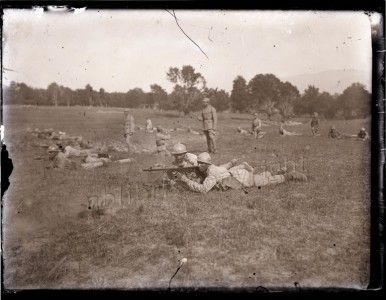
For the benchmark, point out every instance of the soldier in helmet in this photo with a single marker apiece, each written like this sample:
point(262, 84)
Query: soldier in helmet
point(209, 120)
point(233, 176)
point(362, 134)
point(182, 158)
point(315, 124)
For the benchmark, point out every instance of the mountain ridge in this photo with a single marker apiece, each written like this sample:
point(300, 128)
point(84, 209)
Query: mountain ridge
point(331, 81)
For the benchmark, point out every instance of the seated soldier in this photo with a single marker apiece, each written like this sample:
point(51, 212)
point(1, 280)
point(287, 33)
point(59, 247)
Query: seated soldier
point(334, 134)
point(362, 134)
point(256, 127)
point(231, 176)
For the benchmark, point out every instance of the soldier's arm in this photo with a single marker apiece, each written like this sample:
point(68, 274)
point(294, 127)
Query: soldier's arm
point(214, 114)
point(209, 182)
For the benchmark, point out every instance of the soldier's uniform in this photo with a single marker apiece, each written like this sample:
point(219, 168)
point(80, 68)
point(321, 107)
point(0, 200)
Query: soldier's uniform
point(363, 134)
point(315, 124)
point(256, 126)
point(209, 119)
point(334, 134)
point(241, 176)
point(184, 159)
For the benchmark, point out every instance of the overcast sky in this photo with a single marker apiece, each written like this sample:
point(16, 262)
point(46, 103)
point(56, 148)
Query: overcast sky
point(123, 49)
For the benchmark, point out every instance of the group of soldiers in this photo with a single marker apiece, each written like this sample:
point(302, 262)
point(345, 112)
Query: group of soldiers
point(231, 175)
point(333, 133)
point(207, 175)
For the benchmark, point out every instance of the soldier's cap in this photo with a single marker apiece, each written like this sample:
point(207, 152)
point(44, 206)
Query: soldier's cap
point(363, 129)
point(206, 99)
point(204, 158)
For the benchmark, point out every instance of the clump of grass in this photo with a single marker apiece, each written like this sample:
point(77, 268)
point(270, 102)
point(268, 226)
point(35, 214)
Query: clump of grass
point(140, 209)
point(251, 204)
point(174, 234)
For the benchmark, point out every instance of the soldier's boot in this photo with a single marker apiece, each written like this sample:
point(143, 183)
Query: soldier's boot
point(295, 176)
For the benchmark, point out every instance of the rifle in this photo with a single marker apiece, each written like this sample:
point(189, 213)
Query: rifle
point(178, 169)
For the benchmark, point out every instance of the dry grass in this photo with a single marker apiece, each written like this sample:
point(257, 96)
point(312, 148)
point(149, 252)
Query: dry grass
point(314, 233)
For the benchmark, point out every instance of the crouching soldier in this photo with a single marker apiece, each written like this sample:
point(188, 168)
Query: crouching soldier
point(334, 134)
point(233, 176)
point(315, 124)
point(363, 135)
point(58, 159)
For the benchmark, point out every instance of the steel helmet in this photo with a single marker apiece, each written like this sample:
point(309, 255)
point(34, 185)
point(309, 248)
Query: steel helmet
point(204, 158)
point(53, 148)
point(179, 149)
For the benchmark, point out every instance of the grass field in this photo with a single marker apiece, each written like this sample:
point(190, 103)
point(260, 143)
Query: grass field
point(314, 233)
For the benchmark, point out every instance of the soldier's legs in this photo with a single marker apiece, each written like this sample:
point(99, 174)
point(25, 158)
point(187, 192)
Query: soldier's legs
point(206, 132)
point(266, 178)
point(212, 143)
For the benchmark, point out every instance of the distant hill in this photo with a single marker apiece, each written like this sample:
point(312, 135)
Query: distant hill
point(333, 81)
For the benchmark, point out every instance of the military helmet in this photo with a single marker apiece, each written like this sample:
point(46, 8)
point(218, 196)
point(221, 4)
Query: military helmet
point(53, 148)
point(204, 158)
point(179, 149)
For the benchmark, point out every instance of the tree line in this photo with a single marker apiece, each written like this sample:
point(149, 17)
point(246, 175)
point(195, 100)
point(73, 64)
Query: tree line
point(263, 93)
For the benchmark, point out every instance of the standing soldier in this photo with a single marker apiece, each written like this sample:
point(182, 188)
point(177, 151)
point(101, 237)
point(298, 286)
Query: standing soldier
point(209, 119)
point(315, 124)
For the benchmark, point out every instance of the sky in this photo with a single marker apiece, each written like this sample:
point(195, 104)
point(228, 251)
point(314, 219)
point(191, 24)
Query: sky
point(119, 50)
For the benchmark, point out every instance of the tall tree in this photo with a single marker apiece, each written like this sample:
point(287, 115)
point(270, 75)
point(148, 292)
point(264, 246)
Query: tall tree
point(239, 96)
point(219, 99)
point(158, 96)
point(355, 101)
point(188, 87)
point(53, 93)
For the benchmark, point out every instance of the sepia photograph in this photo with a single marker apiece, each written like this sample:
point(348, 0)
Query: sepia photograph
point(173, 148)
